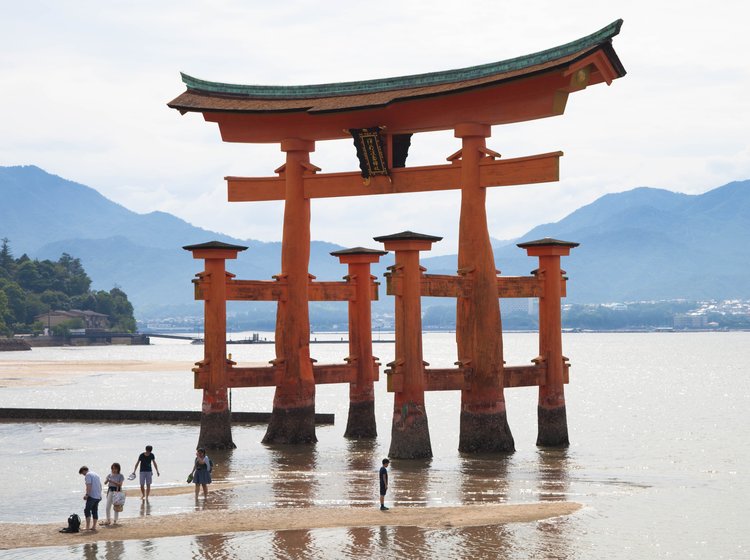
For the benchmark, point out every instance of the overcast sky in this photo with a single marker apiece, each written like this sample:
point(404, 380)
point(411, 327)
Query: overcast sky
point(85, 87)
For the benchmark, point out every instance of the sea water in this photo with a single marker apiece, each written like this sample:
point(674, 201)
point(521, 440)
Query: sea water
point(658, 456)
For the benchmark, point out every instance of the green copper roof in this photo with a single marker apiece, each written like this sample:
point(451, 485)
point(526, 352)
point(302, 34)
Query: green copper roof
point(414, 81)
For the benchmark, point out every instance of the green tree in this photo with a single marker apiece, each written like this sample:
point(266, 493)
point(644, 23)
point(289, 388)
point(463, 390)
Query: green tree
point(75, 279)
point(4, 314)
point(64, 328)
point(55, 300)
point(7, 262)
point(30, 288)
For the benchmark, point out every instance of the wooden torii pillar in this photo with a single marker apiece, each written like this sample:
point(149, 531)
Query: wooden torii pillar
point(216, 426)
point(484, 423)
point(293, 414)
point(410, 434)
point(361, 420)
point(551, 414)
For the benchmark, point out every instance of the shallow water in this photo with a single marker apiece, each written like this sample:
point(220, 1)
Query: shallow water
point(658, 456)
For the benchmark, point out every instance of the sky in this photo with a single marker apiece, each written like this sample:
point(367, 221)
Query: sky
point(84, 88)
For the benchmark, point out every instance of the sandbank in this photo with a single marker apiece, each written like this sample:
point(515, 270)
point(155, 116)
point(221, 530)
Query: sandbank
point(28, 373)
point(205, 522)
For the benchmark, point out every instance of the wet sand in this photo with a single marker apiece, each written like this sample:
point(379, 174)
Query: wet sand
point(29, 373)
point(212, 521)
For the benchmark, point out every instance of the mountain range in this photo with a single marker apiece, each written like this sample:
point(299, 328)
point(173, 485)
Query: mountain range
point(642, 244)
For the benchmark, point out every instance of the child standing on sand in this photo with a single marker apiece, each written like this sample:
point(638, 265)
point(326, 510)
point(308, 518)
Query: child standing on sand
point(383, 477)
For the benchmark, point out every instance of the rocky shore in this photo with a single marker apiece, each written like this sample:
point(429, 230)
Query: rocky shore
point(13, 345)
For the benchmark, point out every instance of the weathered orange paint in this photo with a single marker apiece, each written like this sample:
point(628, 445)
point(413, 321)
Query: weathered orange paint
point(484, 426)
point(552, 421)
point(410, 436)
point(526, 170)
point(293, 414)
point(361, 420)
point(452, 379)
point(215, 415)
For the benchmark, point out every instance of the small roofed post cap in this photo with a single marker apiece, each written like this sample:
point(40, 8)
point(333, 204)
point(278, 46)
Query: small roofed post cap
point(547, 246)
point(408, 241)
point(214, 250)
point(359, 255)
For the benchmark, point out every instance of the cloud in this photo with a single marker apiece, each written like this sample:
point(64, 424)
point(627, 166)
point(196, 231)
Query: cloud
point(85, 90)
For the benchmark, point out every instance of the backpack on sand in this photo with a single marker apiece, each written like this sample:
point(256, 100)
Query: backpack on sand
point(74, 524)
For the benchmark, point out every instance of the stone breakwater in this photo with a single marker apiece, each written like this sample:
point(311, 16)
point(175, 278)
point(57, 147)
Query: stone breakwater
point(13, 345)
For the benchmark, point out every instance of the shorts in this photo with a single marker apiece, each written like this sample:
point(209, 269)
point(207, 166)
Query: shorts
point(146, 477)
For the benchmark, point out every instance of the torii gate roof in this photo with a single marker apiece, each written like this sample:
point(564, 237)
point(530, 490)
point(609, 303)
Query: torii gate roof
point(518, 89)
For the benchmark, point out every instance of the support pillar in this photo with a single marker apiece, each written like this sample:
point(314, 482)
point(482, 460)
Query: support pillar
point(216, 427)
point(551, 413)
point(410, 435)
point(293, 414)
point(361, 421)
point(484, 424)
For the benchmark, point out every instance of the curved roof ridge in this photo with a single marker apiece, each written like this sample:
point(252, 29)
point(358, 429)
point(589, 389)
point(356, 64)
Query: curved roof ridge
point(604, 35)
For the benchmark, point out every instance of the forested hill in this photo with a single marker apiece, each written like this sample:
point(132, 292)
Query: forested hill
point(31, 287)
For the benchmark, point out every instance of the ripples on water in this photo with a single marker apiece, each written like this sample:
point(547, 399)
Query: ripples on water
point(657, 423)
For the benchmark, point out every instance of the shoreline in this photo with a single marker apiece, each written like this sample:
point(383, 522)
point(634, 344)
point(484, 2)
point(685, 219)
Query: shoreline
point(210, 521)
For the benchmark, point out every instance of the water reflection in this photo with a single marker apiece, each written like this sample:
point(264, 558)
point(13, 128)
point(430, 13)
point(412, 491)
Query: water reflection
point(210, 547)
point(554, 481)
point(362, 465)
point(90, 551)
point(554, 484)
point(361, 541)
point(409, 481)
point(484, 478)
point(145, 507)
point(294, 475)
point(292, 544)
point(114, 550)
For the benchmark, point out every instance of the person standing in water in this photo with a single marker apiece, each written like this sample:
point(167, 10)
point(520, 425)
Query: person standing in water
point(201, 472)
point(146, 459)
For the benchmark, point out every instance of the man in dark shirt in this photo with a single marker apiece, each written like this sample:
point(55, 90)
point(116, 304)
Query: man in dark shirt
point(146, 459)
point(383, 476)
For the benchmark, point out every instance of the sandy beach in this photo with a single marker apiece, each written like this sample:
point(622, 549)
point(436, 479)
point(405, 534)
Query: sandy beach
point(17, 373)
point(205, 522)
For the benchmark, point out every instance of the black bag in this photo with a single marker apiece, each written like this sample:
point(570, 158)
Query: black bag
point(74, 524)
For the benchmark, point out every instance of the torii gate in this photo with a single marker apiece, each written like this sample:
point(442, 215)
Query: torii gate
point(468, 101)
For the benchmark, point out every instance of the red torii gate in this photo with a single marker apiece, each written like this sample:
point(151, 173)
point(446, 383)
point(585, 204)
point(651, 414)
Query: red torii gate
point(468, 101)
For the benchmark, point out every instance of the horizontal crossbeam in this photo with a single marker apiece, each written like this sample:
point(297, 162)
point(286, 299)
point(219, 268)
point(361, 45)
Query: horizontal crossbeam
point(453, 379)
point(444, 285)
point(541, 168)
point(276, 290)
point(270, 376)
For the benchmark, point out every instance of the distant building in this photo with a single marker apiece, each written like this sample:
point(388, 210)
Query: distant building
point(91, 319)
point(527, 306)
point(690, 321)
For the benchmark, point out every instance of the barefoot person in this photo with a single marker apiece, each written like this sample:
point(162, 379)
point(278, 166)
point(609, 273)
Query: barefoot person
point(146, 459)
point(383, 477)
point(92, 497)
point(113, 482)
point(201, 472)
